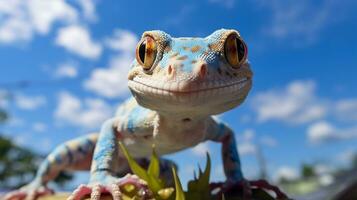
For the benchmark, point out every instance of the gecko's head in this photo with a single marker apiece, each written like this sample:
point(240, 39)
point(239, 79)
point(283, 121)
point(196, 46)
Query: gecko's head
point(191, 75)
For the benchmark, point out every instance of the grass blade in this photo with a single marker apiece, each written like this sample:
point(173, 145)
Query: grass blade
point(180, 195)
point(134, 166)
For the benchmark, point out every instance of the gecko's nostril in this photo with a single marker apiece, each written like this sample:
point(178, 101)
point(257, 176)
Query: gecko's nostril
point(170, 70)
point(202, 71)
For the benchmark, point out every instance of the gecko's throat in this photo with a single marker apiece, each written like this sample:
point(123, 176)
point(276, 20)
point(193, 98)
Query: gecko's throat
point(190, 96)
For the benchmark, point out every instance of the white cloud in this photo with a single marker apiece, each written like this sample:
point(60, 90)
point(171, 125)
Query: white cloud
point(77, 39)
point(88, 7)
point(346, 109)
point(269, 141)
point(122, 40)
point(112, 81)
point(248, 134)
point(21, 139)
point(323, 131)
point(23, 19)
point(285, 172)
point(28, 102)
point(14, 30)
point(66, 70)
point(299, 21)
point(16, 122)
point(44, 13)
point(46, 144)
point(246, 148)
point(296, 103)
point(39, 127)
point(245, 143)
point(200, 149)
point(88, 113)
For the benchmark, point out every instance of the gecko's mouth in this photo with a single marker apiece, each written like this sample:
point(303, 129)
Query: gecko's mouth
point(186, 88)
point(190, 97)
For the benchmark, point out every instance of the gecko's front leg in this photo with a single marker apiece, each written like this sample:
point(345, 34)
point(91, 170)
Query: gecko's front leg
point(231, 164)
point(104, 164)
point(230, 157)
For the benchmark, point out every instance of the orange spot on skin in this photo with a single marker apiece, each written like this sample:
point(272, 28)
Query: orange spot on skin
point(195, 48)
point(182, 58)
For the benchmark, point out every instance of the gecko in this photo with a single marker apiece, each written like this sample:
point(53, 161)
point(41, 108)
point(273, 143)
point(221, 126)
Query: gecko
point(177, 86)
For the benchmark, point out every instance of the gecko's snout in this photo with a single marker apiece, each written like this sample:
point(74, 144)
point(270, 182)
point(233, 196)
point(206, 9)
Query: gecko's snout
point(200, 70)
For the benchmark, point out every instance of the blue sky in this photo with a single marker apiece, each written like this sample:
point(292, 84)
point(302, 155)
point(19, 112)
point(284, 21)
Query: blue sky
point(74, 55)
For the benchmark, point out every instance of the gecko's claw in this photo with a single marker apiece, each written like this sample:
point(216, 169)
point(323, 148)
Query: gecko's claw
point(244, 185)
point(28, 193)
point(95, 191)
point(115, 190)
point(263, 184)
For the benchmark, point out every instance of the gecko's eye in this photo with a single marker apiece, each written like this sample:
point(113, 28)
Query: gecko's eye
point(235, 50)
point(146, 52)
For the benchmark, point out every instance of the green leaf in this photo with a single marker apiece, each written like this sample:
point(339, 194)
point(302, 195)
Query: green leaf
point(180, 195)
point(154, 167)
point(134, 166)
point(203, 180)
point(199, 187)
point(154, 183)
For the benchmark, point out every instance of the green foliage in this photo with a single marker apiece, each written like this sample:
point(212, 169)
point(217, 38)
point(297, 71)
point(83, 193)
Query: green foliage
point(180, 195)
point(18, 165)
point(308, 171)
point(151, 176)
point(198, 188)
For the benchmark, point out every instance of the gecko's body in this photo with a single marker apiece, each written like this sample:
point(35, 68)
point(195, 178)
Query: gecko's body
point(177, 84)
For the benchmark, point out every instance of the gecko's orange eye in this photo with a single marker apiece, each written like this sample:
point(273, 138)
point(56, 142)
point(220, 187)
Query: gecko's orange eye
point(146, 52)
point(235, 50)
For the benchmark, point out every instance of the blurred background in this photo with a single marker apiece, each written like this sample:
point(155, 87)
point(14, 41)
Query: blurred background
point(63, 68)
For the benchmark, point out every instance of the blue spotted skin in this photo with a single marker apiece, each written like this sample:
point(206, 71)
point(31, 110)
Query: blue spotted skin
point(149, 118)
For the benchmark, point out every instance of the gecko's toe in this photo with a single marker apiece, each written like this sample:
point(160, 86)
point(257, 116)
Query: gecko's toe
point(96, 192)
point(114, 188)
point(133, 180)
point(28, 193)
point(80, 192)
point(115, 191)
point(15, 195)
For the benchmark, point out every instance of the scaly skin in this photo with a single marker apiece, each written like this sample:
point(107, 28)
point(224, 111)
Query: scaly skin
point(177, 85)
